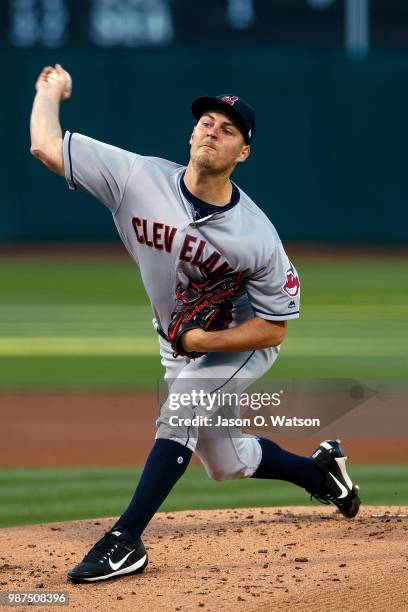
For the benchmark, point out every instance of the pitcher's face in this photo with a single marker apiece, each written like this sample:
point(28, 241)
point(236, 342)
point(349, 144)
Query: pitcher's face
point(217, 142)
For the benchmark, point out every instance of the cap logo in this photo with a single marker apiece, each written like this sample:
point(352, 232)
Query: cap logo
point(230, 99)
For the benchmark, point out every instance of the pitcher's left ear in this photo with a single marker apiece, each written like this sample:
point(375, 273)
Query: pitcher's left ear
point(245, 153)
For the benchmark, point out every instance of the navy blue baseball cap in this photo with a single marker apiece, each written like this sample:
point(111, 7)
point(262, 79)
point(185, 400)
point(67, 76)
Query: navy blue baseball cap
point(232, 105)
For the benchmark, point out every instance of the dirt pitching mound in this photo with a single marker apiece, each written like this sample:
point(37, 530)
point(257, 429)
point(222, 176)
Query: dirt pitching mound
point(248, 559)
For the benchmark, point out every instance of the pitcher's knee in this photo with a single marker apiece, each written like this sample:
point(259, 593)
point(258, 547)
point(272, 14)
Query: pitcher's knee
point(222, 472)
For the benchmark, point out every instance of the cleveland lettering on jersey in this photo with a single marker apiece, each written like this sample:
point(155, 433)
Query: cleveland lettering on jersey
point(162, 236)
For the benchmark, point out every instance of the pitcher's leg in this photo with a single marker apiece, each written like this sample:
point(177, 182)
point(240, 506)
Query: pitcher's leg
point(165, 464)
point(227, 453)
point(226, 458)
point(280, 464)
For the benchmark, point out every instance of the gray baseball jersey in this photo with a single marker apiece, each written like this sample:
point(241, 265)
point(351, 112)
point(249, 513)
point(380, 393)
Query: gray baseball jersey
point(158, 226)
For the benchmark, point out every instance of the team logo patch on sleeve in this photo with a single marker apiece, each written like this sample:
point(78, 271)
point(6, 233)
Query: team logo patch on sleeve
point(291, 286)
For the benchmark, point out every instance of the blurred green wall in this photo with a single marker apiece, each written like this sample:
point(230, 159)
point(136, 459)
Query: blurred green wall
point(328, 161)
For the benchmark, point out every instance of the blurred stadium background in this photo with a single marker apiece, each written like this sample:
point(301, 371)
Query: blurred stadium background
point(328, 81)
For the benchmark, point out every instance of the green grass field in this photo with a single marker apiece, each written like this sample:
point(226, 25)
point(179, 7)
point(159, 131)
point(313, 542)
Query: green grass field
point(38, 496)
point(87, 324)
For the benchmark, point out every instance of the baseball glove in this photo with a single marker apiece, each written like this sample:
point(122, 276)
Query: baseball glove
point(205, 305)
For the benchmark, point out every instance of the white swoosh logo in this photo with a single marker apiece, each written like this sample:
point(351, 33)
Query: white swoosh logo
point(343, 489)
point(116, 566)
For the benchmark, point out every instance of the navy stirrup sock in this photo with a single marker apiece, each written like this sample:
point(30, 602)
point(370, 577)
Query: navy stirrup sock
point(282, 465)
point(166, 463)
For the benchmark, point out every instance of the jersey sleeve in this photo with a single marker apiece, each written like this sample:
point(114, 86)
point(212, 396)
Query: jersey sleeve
point(274, 290)
point(97, 168)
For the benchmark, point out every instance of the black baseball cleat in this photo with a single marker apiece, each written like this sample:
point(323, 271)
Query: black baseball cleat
point(337, 485)
point(112, 556)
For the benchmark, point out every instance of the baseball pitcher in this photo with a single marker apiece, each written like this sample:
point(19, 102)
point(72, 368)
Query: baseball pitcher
point(222, 291)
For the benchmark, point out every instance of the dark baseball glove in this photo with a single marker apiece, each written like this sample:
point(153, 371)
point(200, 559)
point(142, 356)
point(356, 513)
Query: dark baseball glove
point(205, 305)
